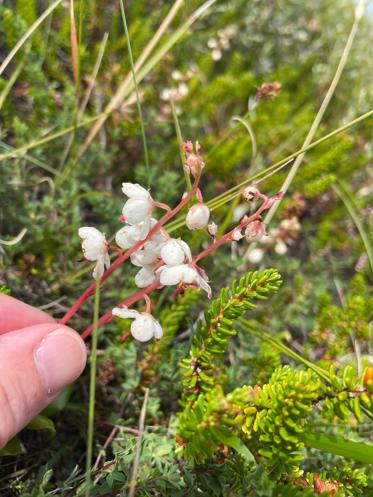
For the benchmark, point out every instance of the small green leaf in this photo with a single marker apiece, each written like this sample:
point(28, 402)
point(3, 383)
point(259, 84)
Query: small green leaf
point(236, 444)
point(330, 443)
point(12, 448)
point(41, 422)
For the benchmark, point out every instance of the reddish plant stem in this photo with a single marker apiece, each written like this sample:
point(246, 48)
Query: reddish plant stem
point(90, 290)
point(227, 237)
point(131, 300)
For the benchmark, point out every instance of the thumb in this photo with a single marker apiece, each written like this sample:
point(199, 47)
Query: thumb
point(36, 363)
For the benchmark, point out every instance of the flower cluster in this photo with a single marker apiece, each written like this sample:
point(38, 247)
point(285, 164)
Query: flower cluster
point(161, 260)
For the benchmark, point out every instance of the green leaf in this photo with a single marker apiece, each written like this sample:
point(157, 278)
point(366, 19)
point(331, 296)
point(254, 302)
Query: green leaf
point(12, 448)
point(41, 422)
point(236, 444)
point(330, 443)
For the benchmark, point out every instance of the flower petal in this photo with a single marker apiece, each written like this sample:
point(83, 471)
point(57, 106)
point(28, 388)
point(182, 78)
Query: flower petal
point(136, 210)
point(125, 313)
point(186, 250)
point(205, 286)
point(142, 329)
point(158, 332)
point(171, 275)
point(145, 277)
point(134, 190)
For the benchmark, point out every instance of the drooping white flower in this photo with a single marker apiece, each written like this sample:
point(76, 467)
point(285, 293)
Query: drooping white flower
point(146, 276)
point(139, 205)
point(198, 216)
point(174, 252)
point(148, 254)
point(183, 275)
point(144, 326)
point(127, 236)
point(95, 248)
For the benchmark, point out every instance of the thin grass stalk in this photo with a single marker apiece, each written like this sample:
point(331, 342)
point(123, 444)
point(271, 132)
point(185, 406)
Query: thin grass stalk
point(359, 10)
point(92, 388)
point(138, 102)
point(136, 460)
point(120, 93)
point(350, 204)
point(180, 143)
point(233, 192)
point(27, 35)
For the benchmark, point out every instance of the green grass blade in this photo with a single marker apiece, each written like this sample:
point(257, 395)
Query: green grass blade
point(139, 109)
point(92, 388)
point(352, 208)
point(335, 445)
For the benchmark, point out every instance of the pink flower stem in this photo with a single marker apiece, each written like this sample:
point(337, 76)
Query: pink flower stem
point(90, 290)
point(227, 237)
point(244, 222)
point(131, 300)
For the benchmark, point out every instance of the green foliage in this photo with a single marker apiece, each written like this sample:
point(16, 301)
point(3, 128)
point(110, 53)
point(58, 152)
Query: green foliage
point(210, 341)
point(305, 364)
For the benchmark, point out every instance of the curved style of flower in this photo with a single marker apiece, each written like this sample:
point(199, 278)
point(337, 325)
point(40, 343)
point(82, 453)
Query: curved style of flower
point(95, 248)
point(144, 326)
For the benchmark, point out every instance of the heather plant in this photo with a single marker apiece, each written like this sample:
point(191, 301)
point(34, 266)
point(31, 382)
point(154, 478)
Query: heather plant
point(209, 373)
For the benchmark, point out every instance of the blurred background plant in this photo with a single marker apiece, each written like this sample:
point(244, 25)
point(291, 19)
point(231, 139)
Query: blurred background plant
point(218, 69)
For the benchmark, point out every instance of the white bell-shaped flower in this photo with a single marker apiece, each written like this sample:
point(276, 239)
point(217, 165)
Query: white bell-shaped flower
point(139, 205)
point(148, 254)
point(144, 326)
point(183, 275)
point(174, 252)
point(127, 236)
point(146, 276)
point(95, 248)
point(198, 216)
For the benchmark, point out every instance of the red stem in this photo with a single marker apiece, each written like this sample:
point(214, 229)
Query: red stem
point(90, 290)
point(131, 300)
point(228, 236)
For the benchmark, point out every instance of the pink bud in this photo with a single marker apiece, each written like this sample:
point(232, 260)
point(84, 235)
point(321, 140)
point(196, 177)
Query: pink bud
point(249, 193)
point(197, 217)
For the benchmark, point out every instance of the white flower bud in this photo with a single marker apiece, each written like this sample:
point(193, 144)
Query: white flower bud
point(198, 216)
point(281, 248)
point(237, 235)
point(212, 228)
point(255, 255)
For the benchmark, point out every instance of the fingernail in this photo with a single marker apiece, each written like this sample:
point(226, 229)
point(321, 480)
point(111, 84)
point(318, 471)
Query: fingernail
point(60, 359)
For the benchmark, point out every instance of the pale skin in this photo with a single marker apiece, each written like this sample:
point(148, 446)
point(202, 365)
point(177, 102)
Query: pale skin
point(38, 359)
